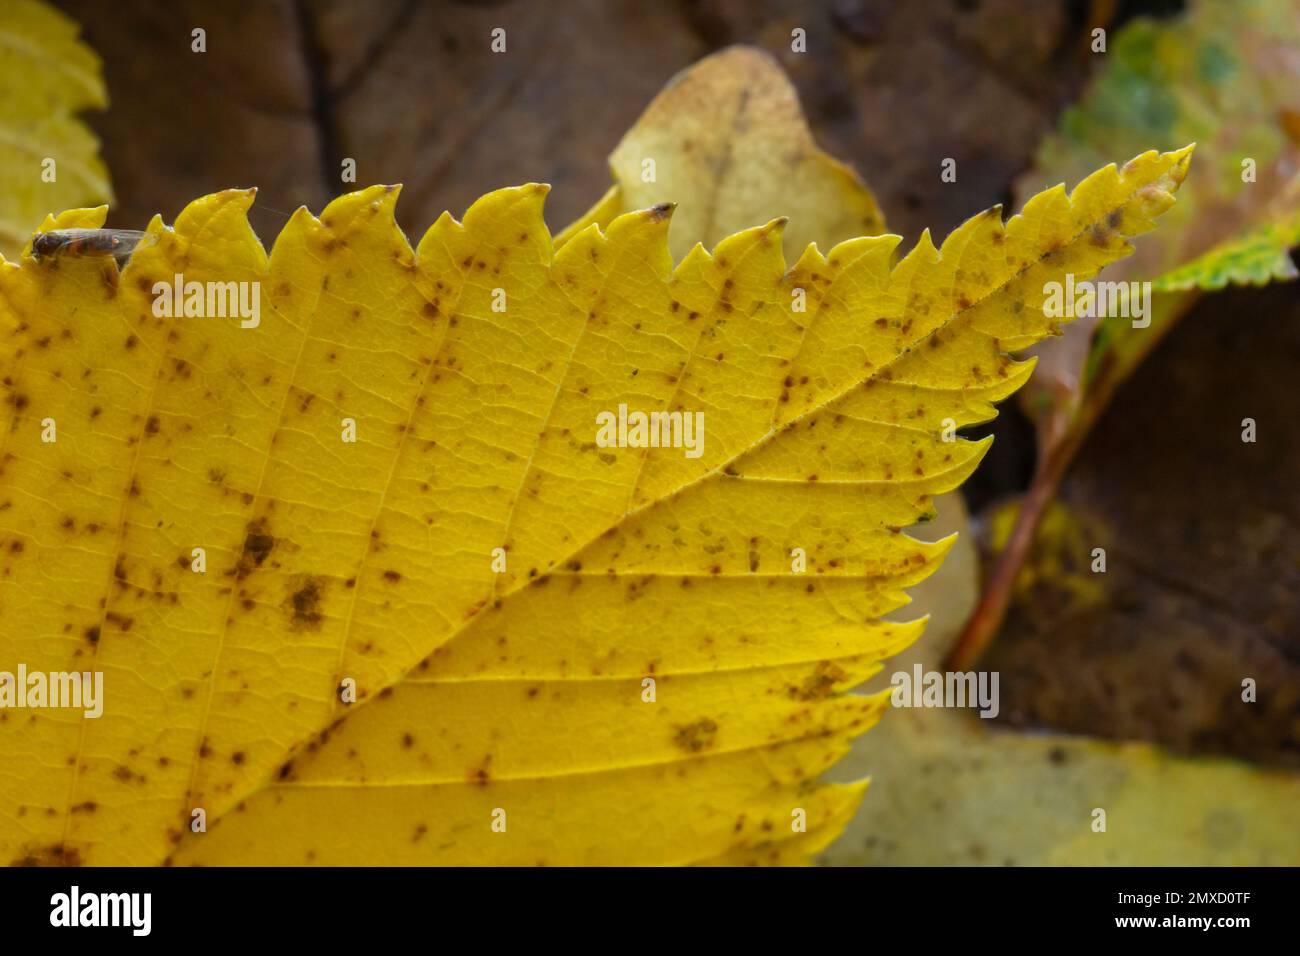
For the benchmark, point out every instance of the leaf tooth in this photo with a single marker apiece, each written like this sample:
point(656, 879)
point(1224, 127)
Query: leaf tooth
point(222, 213)
point(642, 234)
point(729, 252)
point(873, 252)
point(925, 253)
point(521, 205)
point(344, 212)
point(90, 217)
point(444, 233)
point(810, 261)
point(293, 235)
point(654, 220)
point(662, 211)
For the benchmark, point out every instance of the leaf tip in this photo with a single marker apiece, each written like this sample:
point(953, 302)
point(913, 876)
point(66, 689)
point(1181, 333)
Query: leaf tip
point(925, 246)
point(1182, 159)
point(661, 211)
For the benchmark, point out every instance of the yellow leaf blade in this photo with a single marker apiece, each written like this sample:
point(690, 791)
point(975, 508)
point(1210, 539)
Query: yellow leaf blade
point(520, 687)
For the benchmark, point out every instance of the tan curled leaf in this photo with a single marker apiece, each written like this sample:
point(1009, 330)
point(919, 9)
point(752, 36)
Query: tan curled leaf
point(727, 142)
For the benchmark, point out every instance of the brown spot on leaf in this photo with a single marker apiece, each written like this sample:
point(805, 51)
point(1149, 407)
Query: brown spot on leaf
point(305, 605)
point(55, 854)
point(820, 683)
point(257, 546)
point(696, 736)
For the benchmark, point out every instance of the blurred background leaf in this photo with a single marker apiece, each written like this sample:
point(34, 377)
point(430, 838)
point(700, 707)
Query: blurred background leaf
point(730, 146)
point(47, 77)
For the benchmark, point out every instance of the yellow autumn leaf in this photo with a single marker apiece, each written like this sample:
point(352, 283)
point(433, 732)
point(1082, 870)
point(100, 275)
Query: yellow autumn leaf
point(727, 141)
point(47, 76)
point(644, 680)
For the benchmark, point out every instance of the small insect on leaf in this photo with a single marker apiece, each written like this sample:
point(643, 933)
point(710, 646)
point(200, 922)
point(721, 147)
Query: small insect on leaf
point(118, 243)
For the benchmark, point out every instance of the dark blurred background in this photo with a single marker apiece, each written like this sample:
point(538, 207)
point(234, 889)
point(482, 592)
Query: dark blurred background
point(410, 90)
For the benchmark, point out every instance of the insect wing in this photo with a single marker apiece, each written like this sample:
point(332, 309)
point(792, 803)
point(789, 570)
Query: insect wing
point(127, 241)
